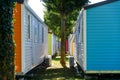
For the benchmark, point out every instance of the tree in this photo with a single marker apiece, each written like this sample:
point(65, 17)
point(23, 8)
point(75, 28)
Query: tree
point(52, 19)
point(7, 47)
point(63, 8)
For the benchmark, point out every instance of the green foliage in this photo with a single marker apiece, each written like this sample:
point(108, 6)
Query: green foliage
point(53, 14)
point(66, 10)
point(6, 40)
point(53, 21)
point(65, 6)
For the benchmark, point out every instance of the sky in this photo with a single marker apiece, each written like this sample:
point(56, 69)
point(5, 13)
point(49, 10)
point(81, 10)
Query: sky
point(95, 1)
point(37, 6)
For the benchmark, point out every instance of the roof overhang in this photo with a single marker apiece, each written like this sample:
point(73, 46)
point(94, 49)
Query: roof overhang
point(99, 4)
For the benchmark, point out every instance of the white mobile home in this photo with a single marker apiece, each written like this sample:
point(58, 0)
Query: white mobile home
point(30, 37)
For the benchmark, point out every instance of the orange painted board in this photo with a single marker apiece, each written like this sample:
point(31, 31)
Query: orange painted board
point(17, 37)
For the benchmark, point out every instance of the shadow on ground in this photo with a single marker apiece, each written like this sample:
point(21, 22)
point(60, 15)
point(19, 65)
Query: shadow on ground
point(56, 72)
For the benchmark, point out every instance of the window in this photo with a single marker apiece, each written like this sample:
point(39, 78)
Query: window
point(36, 33)
point(82, 33)
point(28, 30)
point(42, 35)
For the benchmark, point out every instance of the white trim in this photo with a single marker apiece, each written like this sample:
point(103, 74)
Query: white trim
point(85, 40)
point(22, 39)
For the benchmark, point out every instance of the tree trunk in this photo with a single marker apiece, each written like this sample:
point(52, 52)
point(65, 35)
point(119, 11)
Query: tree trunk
point(63, 45)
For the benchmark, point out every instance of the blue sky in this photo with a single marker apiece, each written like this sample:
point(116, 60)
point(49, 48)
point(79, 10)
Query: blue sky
point(37, 6)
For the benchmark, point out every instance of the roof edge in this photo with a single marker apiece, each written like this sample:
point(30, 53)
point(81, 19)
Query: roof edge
point(27, 6)
point(99, 4)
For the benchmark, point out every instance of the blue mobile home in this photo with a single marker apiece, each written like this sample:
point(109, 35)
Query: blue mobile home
point(97, 38)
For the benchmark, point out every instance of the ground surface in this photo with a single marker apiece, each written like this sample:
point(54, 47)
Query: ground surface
point(55, 72)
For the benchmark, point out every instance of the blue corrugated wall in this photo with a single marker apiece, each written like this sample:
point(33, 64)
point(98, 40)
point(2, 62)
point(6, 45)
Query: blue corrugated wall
point(103, 37)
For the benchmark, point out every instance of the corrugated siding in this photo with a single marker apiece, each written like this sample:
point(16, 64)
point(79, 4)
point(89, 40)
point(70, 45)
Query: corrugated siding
point(35, 49)
point(54, 46)
point(79, 43)
point(46, 40)
point(40, 47)
point(77, 46)
point(103, 37)
point(70, 40)
point(28, 43)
